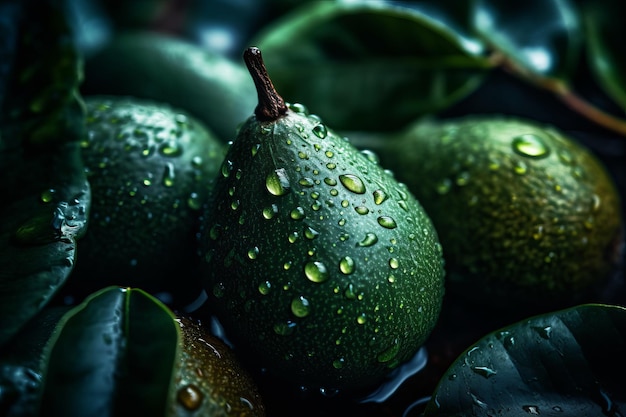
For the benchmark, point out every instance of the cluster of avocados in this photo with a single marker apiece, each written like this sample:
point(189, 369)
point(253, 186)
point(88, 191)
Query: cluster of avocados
point(320, 260)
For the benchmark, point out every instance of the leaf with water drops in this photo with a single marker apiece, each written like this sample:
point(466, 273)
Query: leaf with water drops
point(542, 37)
point(569, 362)
point(605, 30)
point(112, 355)
point(327, 56)
point(45, 203)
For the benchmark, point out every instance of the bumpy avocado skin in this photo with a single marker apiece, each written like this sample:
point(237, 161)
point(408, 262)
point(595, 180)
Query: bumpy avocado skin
point(526, 216)
point(150, 168)
point(320, 266)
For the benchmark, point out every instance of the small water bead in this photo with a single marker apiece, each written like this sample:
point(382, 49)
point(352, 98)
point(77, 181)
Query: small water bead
point(303, 155)
point(310, 233)
point(284, 328)
point(171, 148)
point(293, 237)
point(331, 165)
point(190, 397)
point(300, 307)
point(330, 181)
point(265, 129)
point(169, 175)
point(227, 167)
point(369, 240)
point(234, 205)
point(306, 182)
point(297, 213)
point(194, 202)
point(352, 183)
point(346, 265)
point(520, 168)
point(329, 154)
point(298, 108)
point(334, 192)
point(462, 179)
point(394, 263)
point(265, 287)
point(320, 131)
point(316, 271)
point(531, 409)
point(339, 363)
point(349, 292)
point(214, 232)
point(530, 145)
point(253, 253)
point(361, 210)
point(361, 319)
point(287, 265)
point(379, 197)
point(370, 156)
point(270, 212)
point(47, 196)
point(484, 371)
point(387, 222)
point(277, 182)
point(443, 186)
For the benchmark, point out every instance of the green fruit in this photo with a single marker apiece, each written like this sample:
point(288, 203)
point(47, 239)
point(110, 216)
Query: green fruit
point(526, 216)
point(319, 265)
point(170, 70)
point(150, 168)
point(210, 380)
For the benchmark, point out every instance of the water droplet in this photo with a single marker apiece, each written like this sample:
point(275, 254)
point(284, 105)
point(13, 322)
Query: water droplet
point(253, 253)
point(389, 353)
point(531, 409)
point(297, 213)
point(329, 154)
point(306, 182)
point(277, 182)
point(370, 156)
point(361, 210)
point(214, 232)
point(269, 212)
point(194, 202)
point(545, 331)
point(298, 108)
point(171, 148)
point(293, 237)
point(190, 397)
point(394, 263)
point(484, 371)
point(463, 179)
point(557, 409)
point(338, 363)
point(316, 271)
point(387, 222)
point(361, 319)
point(443, 186)
point(530, 145)
point(300, 306)
point(265, 287)
point(255, 149)
point(520, 168)
point(227, 167)
point(369, 240)
point(330, 181)
point(349, 292)
point(346, 265)
point(284, 328)
point(352, 183)
point(47, 196)
point(320, 131)
point(310, 233)
point(266, 130)
point(169, 175)
point(379, 197)
point(330, 165)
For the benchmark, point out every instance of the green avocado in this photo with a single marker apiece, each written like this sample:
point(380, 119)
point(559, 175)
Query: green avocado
point(150, 168)
point(321, 267)
point(527, 217)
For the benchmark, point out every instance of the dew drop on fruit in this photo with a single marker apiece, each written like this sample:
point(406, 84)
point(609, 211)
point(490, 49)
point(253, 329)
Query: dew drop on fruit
point(361, 210)
point(284, 328)
point(379, 197)
point(194, 202)
point(226, 169)
point(320, 131)
point(169, 175)
point(361, 318)
point(370, 156)
point(316, 271)
point(520, 168)
point(300, 306)
point(270, 212)
point(338, 363)
point(310, 233)
point(484, 371)
point(393, 263)
point(352, 183)
point(277, 182)
point(387, 222)
point(47, 196)
point(190, 397)
point(443, 186)
point(298, 108)
point(297, 213)
point(530, 145)
point(346, 265)
point(171, 148)
point(265, 287)
point(369, 240)
point(253, 253)
point(330, 181)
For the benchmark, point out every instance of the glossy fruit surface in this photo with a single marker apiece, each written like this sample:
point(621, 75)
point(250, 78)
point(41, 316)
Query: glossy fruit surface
point(319, 264)
point(525, 214)
point(150, 168)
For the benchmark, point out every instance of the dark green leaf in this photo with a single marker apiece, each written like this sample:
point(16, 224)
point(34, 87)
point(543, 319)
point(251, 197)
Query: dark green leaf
point(541, 36)
point(567, 363)
point(607, 51)
point(45, 203)
point(369, 65)
point(20, 364)
point(113, 355)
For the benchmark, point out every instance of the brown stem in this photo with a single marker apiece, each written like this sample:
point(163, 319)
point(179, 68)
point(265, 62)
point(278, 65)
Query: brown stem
point(271, 105)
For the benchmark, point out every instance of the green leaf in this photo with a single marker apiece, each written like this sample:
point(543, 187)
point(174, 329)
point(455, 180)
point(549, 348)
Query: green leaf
point(369, 66)
point(113, 355)
point(541, 36)
point(20, 364)
point(607, 52)
point(45, 204)
point(569, 363)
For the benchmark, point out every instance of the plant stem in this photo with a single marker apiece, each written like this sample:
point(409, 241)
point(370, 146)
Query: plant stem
point(271, 105)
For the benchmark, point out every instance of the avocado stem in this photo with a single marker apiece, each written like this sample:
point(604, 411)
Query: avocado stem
point(271, 105)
